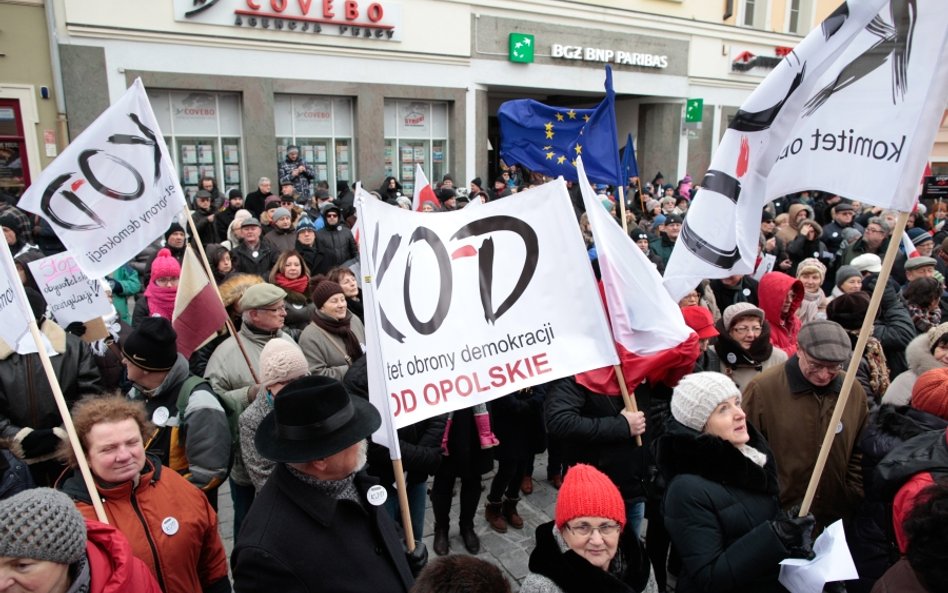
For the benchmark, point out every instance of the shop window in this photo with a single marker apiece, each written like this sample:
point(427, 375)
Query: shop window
point(322, 128)
point(416, 132)
point(14, 170)
point(203, 133)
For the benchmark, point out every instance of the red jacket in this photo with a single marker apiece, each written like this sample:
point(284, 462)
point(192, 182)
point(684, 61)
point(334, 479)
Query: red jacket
point(170, 526)
point(771, 293)
point(113, 567)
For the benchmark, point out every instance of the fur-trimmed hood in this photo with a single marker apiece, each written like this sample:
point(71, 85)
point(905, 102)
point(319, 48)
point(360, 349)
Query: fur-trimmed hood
point(233, 288)
point(55, 334)
point(682, 450)
point(919, 357)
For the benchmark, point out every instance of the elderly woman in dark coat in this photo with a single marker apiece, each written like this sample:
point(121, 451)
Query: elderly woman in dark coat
point(721, 504)
point(587, 547)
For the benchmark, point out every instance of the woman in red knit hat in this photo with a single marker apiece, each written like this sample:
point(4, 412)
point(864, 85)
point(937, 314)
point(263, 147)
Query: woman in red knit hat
point(158, 298)
point(585, 548)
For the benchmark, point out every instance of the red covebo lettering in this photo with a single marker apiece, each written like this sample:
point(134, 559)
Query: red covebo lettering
point(327, 9)
point(374, 12)
point(352, 10)
point(278, 5)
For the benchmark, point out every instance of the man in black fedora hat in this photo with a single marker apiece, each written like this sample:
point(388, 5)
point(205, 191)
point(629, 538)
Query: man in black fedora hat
point(318, 524)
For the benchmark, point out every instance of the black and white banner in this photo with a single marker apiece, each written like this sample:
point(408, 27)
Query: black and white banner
point(852, 110)
point(463, 307)
point(113, 190)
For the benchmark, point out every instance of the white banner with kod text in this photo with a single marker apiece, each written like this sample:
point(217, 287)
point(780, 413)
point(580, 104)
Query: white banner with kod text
point(113, 190)
point(71, 296)
point(14, 311)
point(477, 303)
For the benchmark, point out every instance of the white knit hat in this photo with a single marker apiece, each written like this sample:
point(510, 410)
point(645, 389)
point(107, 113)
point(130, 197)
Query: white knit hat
point(281, 361)
point(696, 396)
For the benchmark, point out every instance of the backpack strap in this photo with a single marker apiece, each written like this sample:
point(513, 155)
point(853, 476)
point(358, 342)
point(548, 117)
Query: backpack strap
point(184, 394)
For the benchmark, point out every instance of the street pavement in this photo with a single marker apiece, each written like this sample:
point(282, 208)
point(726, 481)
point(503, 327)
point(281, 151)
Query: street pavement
point(510, 551)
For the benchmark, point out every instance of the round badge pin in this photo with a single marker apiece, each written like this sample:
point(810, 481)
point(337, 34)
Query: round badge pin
point(839, 428)
point(746, 292)
point(731, 357)
point(160, 416)
point(376, 495)
point(835, 234)
point(255, 253)
point(169, 525)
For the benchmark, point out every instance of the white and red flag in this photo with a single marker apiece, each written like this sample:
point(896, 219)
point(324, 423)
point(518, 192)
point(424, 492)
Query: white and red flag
point(198, 310)
point(423, 192)
point(852, 110)
point(648, 328)
point(113, 190)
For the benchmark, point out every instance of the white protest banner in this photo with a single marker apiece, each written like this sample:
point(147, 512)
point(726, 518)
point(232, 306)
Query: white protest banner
point(14, 312)
point(113, 190)
point(853, 109)
point(474, 304)
point(71, 296)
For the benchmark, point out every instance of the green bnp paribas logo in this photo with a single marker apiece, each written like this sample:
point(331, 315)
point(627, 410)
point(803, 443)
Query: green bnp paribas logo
point(521, 48)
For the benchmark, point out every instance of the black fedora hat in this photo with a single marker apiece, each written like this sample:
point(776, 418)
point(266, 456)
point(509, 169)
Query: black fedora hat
point(313, 418)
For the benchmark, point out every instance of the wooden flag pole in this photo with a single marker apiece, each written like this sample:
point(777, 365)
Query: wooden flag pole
point(894, 241)
point(625, 223)
point(627, 398)
point(210, 276)
point(638, 180)
point(402, 490)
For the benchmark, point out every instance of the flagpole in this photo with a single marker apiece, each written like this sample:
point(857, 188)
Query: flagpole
point(402, 491)
point(210, 276)
point(867, 323)
point(627, 399)
point(625, 223)
point(638, 180)
point(61, 405)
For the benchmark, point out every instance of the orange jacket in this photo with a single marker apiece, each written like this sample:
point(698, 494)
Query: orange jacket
point(170, 525)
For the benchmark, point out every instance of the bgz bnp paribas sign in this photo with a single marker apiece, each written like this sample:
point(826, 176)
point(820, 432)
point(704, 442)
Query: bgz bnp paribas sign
point(613, 56)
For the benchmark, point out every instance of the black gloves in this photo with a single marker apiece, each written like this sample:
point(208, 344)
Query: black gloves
point(418, 558)
point(796, 534)
point(40, 442)
point(116, 287)
point(76, 328)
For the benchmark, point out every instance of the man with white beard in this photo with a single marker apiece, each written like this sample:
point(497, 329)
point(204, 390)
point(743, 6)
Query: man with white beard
point(318, 524)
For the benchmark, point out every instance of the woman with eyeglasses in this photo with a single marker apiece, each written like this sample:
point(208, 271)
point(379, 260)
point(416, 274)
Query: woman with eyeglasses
point(158, 298)
point(743, 345)
point(586, 548)
point(721, 507)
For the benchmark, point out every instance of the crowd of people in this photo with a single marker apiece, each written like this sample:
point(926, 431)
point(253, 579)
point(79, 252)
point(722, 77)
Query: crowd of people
point(699, 490)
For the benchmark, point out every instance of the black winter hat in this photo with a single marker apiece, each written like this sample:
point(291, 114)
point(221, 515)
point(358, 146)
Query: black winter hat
point(37, 303)
point(174, 228)
point(152, 345)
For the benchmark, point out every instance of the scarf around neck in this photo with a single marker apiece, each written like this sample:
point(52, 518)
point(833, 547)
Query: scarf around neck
point(299, 285)
point(161, 300)
point(341, 328)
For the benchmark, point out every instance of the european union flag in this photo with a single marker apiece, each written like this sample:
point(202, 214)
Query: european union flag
point(548, 139)
point(630, 168)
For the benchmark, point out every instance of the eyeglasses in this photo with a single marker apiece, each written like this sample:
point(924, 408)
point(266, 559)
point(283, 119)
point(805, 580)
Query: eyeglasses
point(747, 329)
point(332, 215)
point(586, 530)
point(826, 367)
point(272, 309)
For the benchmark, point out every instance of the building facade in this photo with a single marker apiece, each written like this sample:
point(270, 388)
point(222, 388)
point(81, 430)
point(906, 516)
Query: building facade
point(370, 89)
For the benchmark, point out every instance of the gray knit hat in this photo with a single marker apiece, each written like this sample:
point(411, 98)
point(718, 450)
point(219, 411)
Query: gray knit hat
point(696, 396)
point(844, 273)
point(42, 524)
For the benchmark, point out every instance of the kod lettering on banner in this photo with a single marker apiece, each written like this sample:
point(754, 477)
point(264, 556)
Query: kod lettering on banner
point(471, 305)
point(113, 190)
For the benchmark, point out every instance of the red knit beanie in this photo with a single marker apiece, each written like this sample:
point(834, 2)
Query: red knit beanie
point(587, 492)
point(930, 393)
point(165, 265)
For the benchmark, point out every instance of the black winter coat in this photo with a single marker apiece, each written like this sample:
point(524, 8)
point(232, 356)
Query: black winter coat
point(296, 539)
point(337, 246)
point(517, 422)
point(592, 431)
point(574, 574)
point(718, 509)
point(245, 262)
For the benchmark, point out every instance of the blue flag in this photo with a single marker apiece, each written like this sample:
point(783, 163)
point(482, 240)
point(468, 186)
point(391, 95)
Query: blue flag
point(548, 139)
point(630, 168)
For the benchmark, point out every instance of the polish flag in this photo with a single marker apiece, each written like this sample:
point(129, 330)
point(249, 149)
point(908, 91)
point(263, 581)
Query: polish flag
point(198, 310)
point(910, 249)
point(423, 191)
point(649, 330)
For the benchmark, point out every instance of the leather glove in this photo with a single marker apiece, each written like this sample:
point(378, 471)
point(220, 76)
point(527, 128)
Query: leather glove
point(116, 287)
point(40, 442)
point(76, 328)
point(796, 534)
point(418, 558)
